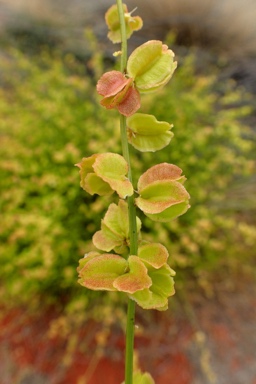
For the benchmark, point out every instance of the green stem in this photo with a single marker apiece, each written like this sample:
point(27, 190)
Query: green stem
point(129, 346)
point(131, 205)
point(123, 35)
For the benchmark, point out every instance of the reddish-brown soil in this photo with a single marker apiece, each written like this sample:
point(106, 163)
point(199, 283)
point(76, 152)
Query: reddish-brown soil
point(205, 341)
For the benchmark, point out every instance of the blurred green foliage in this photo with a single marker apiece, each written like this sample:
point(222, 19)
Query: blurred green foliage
point(51, 118)
point(217, 153)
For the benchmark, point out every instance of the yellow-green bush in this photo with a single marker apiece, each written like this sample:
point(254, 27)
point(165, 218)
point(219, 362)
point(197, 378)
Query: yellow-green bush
point(51, 118)
point(216, 151)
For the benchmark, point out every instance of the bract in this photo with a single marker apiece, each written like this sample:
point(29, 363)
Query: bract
point(111, 83)
point(112, 272)
point(118, 92)
point(132, 23)
point(100, 271)
point(153, 254)
point(114, 233)
point(105, 173)
point(90, 182)
point(136, 279)
point(85, 259)
point(162, 195)
point(151, 65)
point(156, 296)
point(163, 171)
point(147, 134)
point(142, 378)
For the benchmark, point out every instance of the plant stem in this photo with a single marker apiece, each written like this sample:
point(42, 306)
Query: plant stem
point(129, 346)
point(131, 205)
point(123, 35)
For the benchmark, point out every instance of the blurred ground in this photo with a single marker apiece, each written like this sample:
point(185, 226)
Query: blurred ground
point(228, 25)
point(204, 341)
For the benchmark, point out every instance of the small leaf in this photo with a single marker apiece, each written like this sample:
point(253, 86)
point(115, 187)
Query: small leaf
point(117, 219)
point(154, 254)
point(104, 173)
point(112, 168)
point(121, 249)
point(134, 280)
point(86, 166)
point(113, 101)
point(162, 195)
point(90, 182)
point(106, 240)
point(151, 66)
point(85, 259)
point(170, 213)
point(118, 92)
point(156, 297)
point(93, 184)
point(111, 83)
point(130, 104)
point(114, 233)
point(132, 23)
point(148, 300)
point(142, 378)
point(147, 134)
point(163, 171)
point(100, 271)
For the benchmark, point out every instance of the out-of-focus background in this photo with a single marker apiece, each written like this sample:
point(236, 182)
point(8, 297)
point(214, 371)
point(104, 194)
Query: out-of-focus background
point(52, 330)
